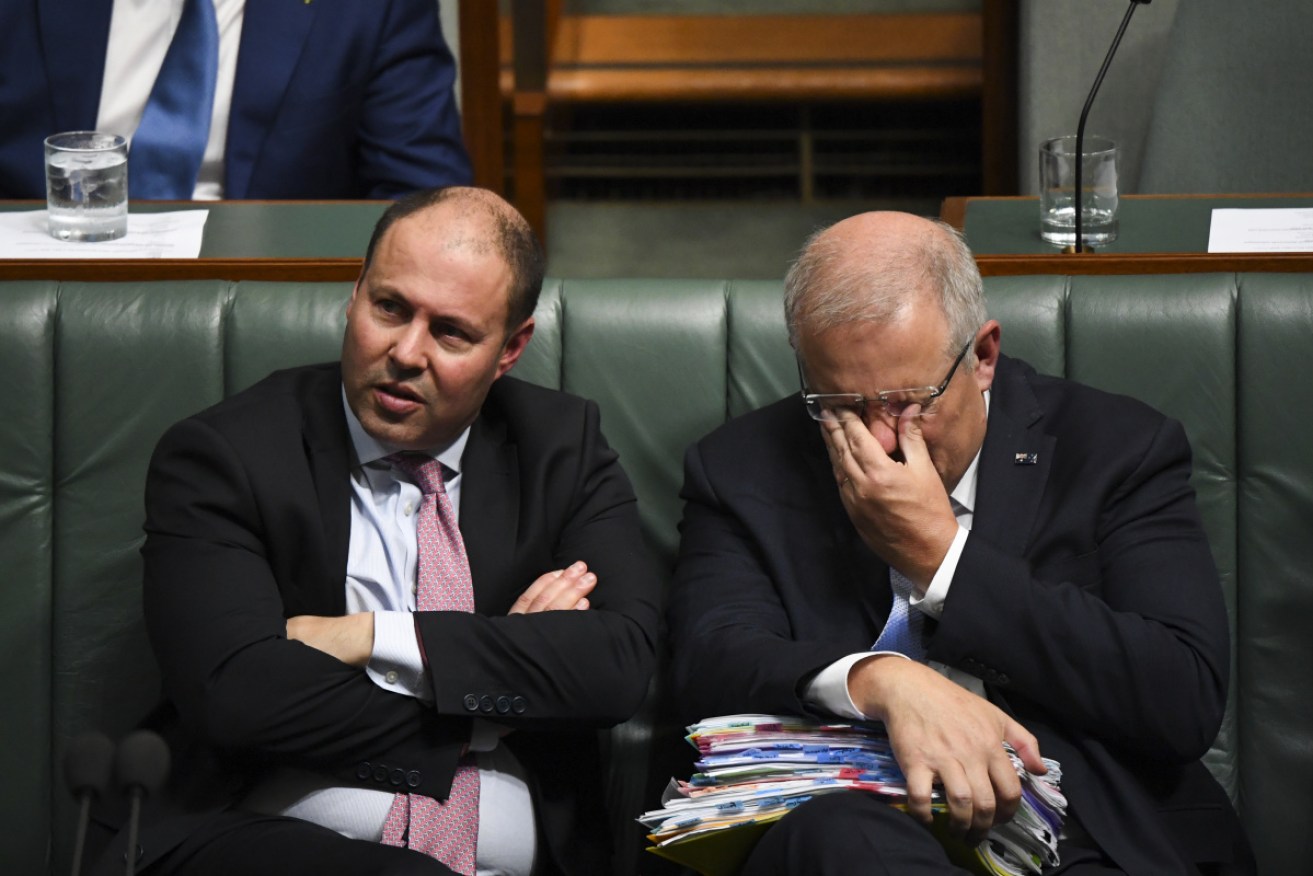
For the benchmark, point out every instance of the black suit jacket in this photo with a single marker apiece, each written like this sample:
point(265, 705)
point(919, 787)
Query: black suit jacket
point(1086, 599)
point(247, 524)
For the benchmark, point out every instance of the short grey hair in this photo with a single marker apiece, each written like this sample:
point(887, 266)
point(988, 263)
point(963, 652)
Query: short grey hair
point(827, 287)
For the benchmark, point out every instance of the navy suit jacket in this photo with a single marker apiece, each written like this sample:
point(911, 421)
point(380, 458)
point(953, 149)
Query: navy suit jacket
point(248, 519)
point(1086, 599)
point(331, 99)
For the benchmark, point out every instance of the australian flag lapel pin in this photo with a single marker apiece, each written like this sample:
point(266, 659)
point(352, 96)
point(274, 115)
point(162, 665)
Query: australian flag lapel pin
point(1025, 458)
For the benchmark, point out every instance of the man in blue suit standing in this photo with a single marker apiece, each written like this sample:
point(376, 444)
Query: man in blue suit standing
point(311, 98)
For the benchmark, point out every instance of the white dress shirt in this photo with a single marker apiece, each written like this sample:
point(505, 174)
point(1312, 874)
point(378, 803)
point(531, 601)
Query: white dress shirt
point(829, 688)
point(140, 32)
point(382, 563)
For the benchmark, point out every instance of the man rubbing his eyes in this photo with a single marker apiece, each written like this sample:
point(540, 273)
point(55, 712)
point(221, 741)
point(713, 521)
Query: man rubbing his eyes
point(937, 537)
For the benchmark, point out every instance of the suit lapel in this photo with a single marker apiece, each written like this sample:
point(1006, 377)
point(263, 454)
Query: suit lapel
point(74, 37)
point(328, 450)
point(489, 511)
point(273, 36)
point(1014, 463)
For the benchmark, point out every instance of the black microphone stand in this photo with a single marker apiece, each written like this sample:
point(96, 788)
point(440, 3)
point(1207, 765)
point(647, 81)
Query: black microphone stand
point(1077, 194)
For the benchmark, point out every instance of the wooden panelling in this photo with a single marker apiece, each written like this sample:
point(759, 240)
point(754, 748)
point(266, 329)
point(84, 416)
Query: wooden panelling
point(768, 57)
point(481, 102)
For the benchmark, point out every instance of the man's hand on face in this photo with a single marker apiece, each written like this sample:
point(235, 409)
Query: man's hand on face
point(940, 730)
point(900, 509)
point(349, 638)
point(559, 590)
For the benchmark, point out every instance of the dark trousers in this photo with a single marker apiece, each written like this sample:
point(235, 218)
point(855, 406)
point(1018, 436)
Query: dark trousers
point(852, 832)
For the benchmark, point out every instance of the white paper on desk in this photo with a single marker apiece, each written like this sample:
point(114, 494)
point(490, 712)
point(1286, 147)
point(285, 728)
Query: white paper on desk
point(1284, 229)
point(175, 235)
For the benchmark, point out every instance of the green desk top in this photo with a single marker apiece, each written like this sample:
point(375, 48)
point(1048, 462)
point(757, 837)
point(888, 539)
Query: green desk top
point(1147, 224)
point(272, 229)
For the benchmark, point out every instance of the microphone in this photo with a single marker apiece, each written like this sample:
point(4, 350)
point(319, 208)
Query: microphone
point(141, 767)
point(1084, 113)
point(88, 763)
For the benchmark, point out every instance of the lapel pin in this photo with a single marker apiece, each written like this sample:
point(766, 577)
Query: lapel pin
point(1025, 459)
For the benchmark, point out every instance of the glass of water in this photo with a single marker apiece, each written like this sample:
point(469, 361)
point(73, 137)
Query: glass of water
point(87, 185)
point(1098, 197)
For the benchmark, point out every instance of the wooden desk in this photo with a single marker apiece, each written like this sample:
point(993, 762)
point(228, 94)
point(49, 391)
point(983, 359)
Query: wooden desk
point(1159, 234)
point(244, 240)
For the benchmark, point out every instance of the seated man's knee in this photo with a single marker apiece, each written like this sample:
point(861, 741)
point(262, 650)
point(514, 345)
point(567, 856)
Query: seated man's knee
point(827, 833)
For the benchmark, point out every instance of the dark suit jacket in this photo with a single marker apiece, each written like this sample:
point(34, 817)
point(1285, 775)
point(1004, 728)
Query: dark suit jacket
point(331, 99)
point(1086, 599)
point(248, 515)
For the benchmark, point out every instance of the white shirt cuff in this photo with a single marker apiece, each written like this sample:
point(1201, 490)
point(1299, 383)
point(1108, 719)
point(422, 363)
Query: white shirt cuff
point(485, 735)
point(828, 689)
point(396, 664)
point(932, 604)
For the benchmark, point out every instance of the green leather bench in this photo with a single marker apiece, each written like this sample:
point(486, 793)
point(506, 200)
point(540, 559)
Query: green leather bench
point(94, 372)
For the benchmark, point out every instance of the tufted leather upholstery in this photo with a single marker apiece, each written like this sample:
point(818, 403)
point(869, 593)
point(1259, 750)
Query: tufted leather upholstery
point(95, 372)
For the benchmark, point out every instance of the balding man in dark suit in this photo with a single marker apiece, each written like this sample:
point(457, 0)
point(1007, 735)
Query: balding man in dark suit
point(936, 537)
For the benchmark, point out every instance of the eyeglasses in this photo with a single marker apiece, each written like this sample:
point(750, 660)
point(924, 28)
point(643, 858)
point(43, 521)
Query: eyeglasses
point(827, 407)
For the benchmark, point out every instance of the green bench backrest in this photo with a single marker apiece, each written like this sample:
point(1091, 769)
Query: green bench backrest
point(95, 372)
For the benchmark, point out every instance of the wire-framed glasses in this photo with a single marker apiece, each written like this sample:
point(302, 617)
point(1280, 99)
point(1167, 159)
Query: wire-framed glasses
point(828, 407)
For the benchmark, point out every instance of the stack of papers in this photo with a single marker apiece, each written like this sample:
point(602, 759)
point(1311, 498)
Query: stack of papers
point(753, 769)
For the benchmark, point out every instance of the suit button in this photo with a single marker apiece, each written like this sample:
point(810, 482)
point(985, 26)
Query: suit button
point(503, 705)
point(518, 705)
point(397, 777)
point(1003, 679)
point(486, 705)
point(364, 770)
point(413, 779)
point(471, 703)
point(381, 773)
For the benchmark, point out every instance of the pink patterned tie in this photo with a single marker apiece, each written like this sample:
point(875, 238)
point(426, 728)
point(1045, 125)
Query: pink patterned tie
point(448, 831)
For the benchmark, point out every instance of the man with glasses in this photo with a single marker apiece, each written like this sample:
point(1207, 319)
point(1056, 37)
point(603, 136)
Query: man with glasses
point(937, 537)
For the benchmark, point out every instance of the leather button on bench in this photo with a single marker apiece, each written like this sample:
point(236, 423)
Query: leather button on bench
point(518, 705)
point(471, 703)
point(503, 705)
point(413, 779)
point(486, 705)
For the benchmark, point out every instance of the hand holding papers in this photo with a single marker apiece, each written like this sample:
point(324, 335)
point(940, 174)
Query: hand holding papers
point(753, 769)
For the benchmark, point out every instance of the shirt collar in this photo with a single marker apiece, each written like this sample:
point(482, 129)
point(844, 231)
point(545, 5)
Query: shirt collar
point(369, 449)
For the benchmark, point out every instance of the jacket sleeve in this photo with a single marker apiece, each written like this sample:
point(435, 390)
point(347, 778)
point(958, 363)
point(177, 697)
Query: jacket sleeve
point(409, 131)
point(217, 622)
point(737, 644)
point(557, 668)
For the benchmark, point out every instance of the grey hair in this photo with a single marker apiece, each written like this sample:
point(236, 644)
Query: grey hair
point(827, 287)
